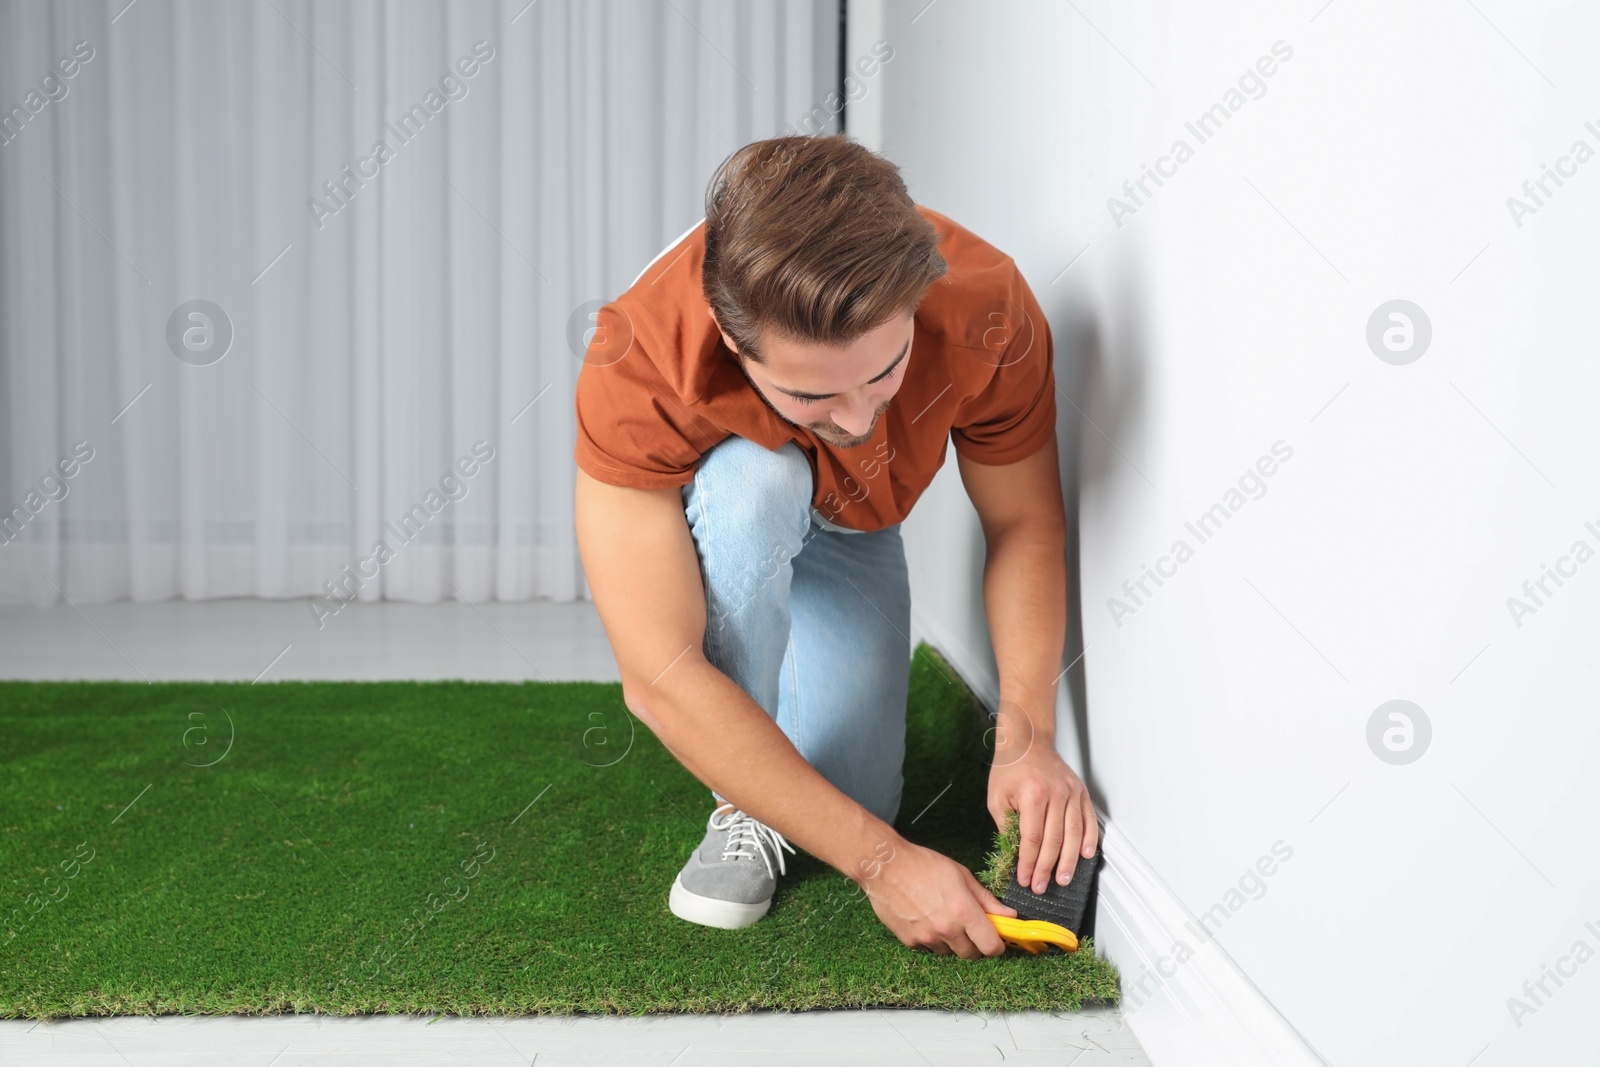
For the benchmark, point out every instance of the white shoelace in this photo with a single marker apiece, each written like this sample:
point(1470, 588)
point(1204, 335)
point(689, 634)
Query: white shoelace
point(749, 837)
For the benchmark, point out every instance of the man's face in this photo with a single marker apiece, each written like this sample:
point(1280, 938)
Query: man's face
point(841, 390)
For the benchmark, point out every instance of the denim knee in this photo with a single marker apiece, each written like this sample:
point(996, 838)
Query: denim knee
point(773, 479)
point(754, 487)
point(749, 509)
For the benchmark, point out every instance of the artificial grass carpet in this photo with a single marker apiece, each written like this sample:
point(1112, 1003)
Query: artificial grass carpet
point(1001, 863)
point(436, 848)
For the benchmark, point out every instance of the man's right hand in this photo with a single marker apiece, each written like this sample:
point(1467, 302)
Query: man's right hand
point(930, 901)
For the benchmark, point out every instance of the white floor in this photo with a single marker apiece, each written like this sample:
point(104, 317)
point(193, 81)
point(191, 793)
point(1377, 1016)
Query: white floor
point(274, 640)
point(266, 640)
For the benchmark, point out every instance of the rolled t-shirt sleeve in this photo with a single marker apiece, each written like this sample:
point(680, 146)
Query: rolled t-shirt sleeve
point(1015, 414)
point(632, 429)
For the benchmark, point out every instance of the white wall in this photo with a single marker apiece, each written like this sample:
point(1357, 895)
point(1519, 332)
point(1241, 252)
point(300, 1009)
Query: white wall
point(1230, 711)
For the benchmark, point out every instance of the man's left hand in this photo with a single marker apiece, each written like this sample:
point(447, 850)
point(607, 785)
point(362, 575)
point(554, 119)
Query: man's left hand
point(1055, 815)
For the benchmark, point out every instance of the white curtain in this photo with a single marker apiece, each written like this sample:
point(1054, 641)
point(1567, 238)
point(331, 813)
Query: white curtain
point(392, 324)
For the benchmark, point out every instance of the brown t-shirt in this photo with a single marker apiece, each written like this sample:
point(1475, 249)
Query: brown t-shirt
point(658, 387)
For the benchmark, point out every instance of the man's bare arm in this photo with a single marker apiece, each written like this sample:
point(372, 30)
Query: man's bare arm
point(640, 562)
point(1025, 598)
point(641, 566)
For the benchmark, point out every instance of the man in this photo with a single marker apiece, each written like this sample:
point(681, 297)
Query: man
point(756, 415)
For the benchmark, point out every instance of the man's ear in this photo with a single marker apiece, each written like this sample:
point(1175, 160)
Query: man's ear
point(725, 338)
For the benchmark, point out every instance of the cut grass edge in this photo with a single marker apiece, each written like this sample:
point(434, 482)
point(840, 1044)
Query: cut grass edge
point(1002, 861)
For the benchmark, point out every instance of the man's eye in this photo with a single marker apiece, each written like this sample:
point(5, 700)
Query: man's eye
point(803, 400)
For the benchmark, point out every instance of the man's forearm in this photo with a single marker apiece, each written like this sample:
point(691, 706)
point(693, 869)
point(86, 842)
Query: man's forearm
point(1025, 597)
point(731, 744)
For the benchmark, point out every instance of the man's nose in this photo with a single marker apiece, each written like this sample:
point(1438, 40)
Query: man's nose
point(854, 421)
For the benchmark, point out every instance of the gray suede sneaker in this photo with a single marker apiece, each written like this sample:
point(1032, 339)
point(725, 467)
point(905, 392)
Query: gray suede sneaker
point(729, 880)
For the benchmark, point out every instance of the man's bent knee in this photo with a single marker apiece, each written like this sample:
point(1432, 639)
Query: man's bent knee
point(751, 488)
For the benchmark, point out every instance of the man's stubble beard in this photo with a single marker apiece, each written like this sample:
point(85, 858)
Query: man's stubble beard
point(848, 442)
point(855, 442)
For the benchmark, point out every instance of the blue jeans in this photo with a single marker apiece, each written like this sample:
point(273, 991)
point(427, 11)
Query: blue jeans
point(811, 622)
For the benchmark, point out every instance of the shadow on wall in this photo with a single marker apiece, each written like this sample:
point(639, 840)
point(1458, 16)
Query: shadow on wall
point(1101, 397)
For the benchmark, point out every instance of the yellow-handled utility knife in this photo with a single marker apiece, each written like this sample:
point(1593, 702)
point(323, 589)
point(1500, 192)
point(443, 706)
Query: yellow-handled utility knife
point(1034, 935)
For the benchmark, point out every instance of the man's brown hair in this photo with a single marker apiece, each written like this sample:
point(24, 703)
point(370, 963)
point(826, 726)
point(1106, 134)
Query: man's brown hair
point(814, 239)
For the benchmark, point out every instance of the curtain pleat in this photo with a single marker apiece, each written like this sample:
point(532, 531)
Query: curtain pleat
point(388, 317)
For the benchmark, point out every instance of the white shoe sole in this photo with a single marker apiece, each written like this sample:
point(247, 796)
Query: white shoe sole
point(709, 911)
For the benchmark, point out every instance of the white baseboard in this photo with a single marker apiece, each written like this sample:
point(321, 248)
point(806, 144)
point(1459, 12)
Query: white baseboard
point(1183, 996)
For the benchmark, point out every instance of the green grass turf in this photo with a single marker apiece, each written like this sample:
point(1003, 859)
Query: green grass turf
point(369, 848)
point(1001, 863)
